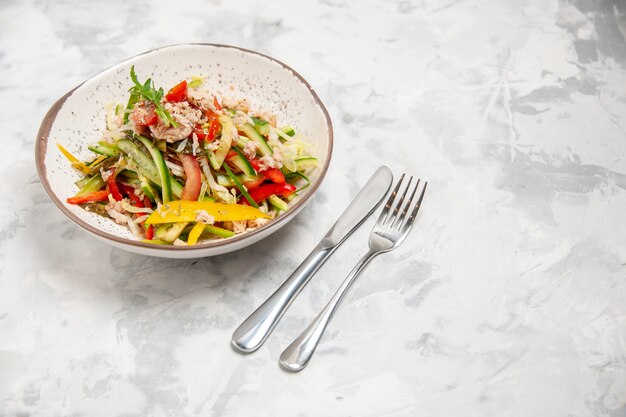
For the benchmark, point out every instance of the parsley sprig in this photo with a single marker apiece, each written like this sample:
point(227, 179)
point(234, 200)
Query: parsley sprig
point(146, 91)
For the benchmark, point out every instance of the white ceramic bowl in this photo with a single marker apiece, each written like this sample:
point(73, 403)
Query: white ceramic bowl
point(78, 119)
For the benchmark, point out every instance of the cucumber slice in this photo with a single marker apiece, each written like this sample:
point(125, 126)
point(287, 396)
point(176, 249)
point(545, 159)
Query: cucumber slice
point(216, 158)
point(170, 234)
point(242, 140)
point(306, 162)
point(261, 126)
point(226, 181)
point(288, 130)
point(145, 165)
point(92, 184)
point(147, 189)
point(164, 173)
point(218, 231)
point(277, 203)
point(241, 162)
point(252, 134)
point(104, 149)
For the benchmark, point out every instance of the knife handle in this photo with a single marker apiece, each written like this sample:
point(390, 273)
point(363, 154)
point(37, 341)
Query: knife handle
point(251, 334)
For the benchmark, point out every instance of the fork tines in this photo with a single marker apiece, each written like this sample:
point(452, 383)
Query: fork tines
point(401, 221)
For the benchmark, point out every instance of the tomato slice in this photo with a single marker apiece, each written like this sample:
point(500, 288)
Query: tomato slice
point(178, 92)
point(191, 191)
point(144, 115)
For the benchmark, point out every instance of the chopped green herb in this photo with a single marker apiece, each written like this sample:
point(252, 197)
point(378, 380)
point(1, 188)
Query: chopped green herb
point(148, 92)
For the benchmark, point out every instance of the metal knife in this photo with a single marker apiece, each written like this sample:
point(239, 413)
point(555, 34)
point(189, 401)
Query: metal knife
point(251, 334)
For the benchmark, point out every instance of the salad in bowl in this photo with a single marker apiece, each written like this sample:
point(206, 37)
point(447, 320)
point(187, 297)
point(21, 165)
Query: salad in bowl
point(186, 151)
point(187, 166)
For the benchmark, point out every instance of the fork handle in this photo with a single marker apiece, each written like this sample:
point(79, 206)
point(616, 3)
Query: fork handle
point(300, 351)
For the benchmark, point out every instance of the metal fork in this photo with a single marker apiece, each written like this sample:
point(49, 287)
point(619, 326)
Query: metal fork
point(388, 233)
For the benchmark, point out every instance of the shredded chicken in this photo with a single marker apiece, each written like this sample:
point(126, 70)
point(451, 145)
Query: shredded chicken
point(185, 115)
point(253, 224)
point(274, 161)
point(250, 149)
point(199, 98)
point(240, 226)
point(203, 217)
point(115, 209)
point(179, 242)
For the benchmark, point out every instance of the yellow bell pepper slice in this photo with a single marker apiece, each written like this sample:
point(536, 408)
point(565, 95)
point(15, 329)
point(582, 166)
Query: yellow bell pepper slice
point(75, 162)
point(195, 233)
point(187, 211)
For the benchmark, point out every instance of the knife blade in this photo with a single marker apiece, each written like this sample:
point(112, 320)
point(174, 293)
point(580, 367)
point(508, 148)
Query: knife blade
point(251, 334)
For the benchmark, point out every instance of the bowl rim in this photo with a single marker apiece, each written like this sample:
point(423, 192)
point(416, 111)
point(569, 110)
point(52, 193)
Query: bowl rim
point(41, 145)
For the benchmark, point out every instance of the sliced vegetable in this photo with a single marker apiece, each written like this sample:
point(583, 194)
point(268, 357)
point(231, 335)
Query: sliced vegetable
point(252, 134)
point(199, 132)
point(178, 92)
point(75, 162)
point(193, 183)
point(144, 114)
point(241, 188)
point(261, 193)
point(236, 158)
point(102, 195)
point(148, 92)
point(195, 233)
point(261, 126)
point(217, 157)
point(218, 231)
point(173, 232)
point(196, 81)
point(306, 162)
point(214, 127)
point(93, 184)
point(164, 173)
point(187, 211)
point(288, 130)
point(104, 148)
point(277, 203)
point(150, 233)
point(275, 175)
point(115, 192)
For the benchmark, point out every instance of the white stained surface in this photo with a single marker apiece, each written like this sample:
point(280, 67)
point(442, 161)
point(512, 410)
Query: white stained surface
point(508, 299)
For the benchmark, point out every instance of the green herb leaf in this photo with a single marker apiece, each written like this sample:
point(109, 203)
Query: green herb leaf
point(148, 92)
point(241, 187)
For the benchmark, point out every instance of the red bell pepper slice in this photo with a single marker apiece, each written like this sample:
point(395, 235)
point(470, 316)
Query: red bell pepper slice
point(150, 233)
point(199, 133)
point(130, 193)
point(254, 183)
point(102, 195)
point(217, 104)
point(178, 92)
point(214, 126)
point(191, 191)
point(261, 193)
point(256, 164)
point(275, 175)
point(113, 188)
